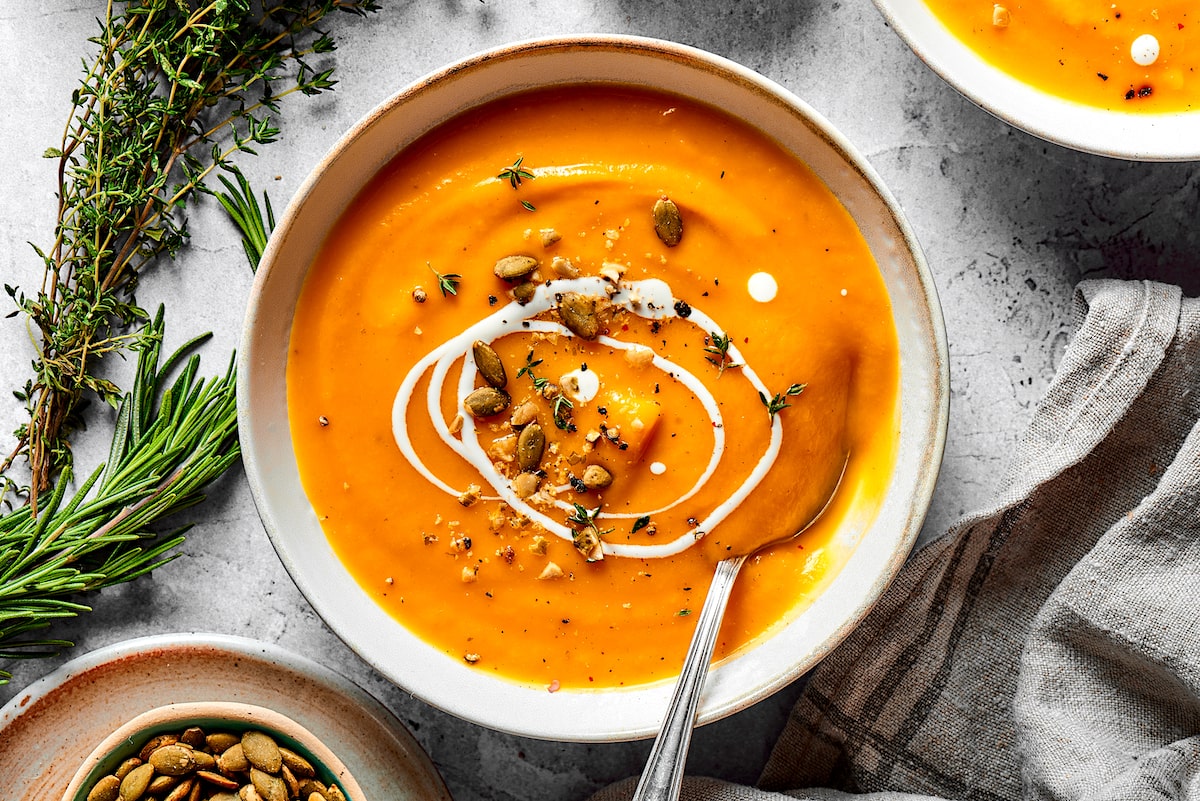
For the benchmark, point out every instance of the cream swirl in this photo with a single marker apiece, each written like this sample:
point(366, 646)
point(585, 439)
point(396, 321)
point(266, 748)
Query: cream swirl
point(650, 299)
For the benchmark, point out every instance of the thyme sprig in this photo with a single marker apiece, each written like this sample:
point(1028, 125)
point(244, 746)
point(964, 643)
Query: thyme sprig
point(779, 402)
point(717, 345)
point(515, 173)
point(176, 88)
point(170, 441)
point(538, 382)
point(447, 282)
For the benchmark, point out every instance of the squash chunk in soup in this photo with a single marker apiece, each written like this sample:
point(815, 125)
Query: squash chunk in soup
point(570, 349)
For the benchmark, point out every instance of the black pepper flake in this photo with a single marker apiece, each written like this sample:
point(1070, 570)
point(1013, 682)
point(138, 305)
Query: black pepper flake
point(1103, 77)
point(704, 294)
point(603, 411)
point(656, 389)
point(1145, 91)
point(578, 485)
point(682, 309)
point(622, 446)
point(566, 620)
point(655, 326)
point(1130, 95)
point(493, 300)
point(583, 367)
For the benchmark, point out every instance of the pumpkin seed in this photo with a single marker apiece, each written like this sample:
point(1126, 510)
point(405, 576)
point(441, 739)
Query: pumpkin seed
point(193, 736)
point(233, 759)
point(578, 313)
point(106, 789)
point(134, 785)
point(489, 364)
point(125, 767)
point(156, 743)
point(261, 751)
point(181, 791)
point(511, 268)
point(524, 292)
point(667, 222)
point(300, 767)
point(486, 401)
point(219, 742)
point(530, 447)
point(173, 760)
point(269, 786)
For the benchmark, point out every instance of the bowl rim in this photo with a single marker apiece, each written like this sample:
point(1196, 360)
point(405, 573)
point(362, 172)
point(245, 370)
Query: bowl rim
point(131, 736)
point(1162, 136)
point(934, 429)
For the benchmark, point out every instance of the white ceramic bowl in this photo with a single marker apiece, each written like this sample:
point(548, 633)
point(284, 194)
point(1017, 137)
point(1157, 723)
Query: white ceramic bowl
point(211, 716)
point(583, 715)
point(1139, 137)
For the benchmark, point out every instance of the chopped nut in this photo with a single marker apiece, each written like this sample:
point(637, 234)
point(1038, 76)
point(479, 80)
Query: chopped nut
point(469, 574)
point(550, 571)
point(470, 658)
point(592, 435)
point(503, 449)
point(418, 294)
point(526, 484)
point(549, 236)
point(639, 356)
point(456, 424)
point(539, 545)
point(470, 495)
point(612, 271)
point(1000, 16)
point(564, 267)
point(524, 414)
point(596, 477)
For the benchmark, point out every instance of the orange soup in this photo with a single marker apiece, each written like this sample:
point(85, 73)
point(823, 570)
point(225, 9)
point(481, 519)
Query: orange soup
point(569, 350)
point(1124, 56)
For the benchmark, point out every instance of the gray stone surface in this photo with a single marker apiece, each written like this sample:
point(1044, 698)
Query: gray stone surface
point(1009, 225)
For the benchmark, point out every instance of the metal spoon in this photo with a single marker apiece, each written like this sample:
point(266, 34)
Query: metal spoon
point(663, 774)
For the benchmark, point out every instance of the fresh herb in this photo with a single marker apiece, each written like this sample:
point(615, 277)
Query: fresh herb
point(718, 346)
point(640, 524)
point(170, 441)
point(447, 282)
point(242, 207)
point(683, 613)
point(561, 409)
point(530, 363)
point(172, 94)
point(528, 206)
point(515, 173)
point(581, 516)
point(779, 402)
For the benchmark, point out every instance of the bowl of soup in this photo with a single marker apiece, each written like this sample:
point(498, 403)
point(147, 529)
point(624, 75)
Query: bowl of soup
point(550, 333)
point(1114, 79)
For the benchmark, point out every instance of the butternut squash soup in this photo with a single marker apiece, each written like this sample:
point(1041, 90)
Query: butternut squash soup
point(1134, 56)
point(570, 349)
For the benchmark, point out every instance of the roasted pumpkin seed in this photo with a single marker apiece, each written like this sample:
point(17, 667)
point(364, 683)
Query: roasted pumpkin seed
point(531, 445)
point(489, 364)
point(134, 785)
point(106, 789)
point(524, 292)
point(512, 268)
point(578, 313)
point(667, 222)
point(587, 541)
point(486, 401)
point(173, 760)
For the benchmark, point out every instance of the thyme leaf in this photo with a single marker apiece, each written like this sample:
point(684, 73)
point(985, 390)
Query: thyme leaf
point(718, 345)
point(778, 403)
point(515, 174)
point(447, 282)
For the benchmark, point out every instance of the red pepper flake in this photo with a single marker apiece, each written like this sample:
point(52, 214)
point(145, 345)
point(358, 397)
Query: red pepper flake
point(1179, 26)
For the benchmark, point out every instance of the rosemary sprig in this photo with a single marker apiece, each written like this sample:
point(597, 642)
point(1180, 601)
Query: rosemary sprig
point(447, 282)
point(242, 207)
point(170, 441)
point(515, 173)
point(177, 88)
point(718, 346)
point(778, 403)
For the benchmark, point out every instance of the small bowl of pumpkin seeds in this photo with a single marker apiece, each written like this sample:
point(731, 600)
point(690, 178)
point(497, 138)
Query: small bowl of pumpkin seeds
point(212, 751)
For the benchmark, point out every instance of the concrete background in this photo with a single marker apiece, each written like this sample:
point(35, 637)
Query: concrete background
point(1009, 225)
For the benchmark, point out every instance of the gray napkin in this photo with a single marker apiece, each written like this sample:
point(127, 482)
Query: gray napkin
point(1048, 647)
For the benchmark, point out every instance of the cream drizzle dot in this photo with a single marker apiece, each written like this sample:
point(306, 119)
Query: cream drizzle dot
point(658, 468)
point(1144, 50)
point(762, 287)
point(844, 293)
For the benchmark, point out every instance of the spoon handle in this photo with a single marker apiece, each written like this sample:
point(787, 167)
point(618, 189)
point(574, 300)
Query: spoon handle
point(663, 774)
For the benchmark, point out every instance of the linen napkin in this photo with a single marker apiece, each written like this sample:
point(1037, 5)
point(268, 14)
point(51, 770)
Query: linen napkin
point(1049, 646)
